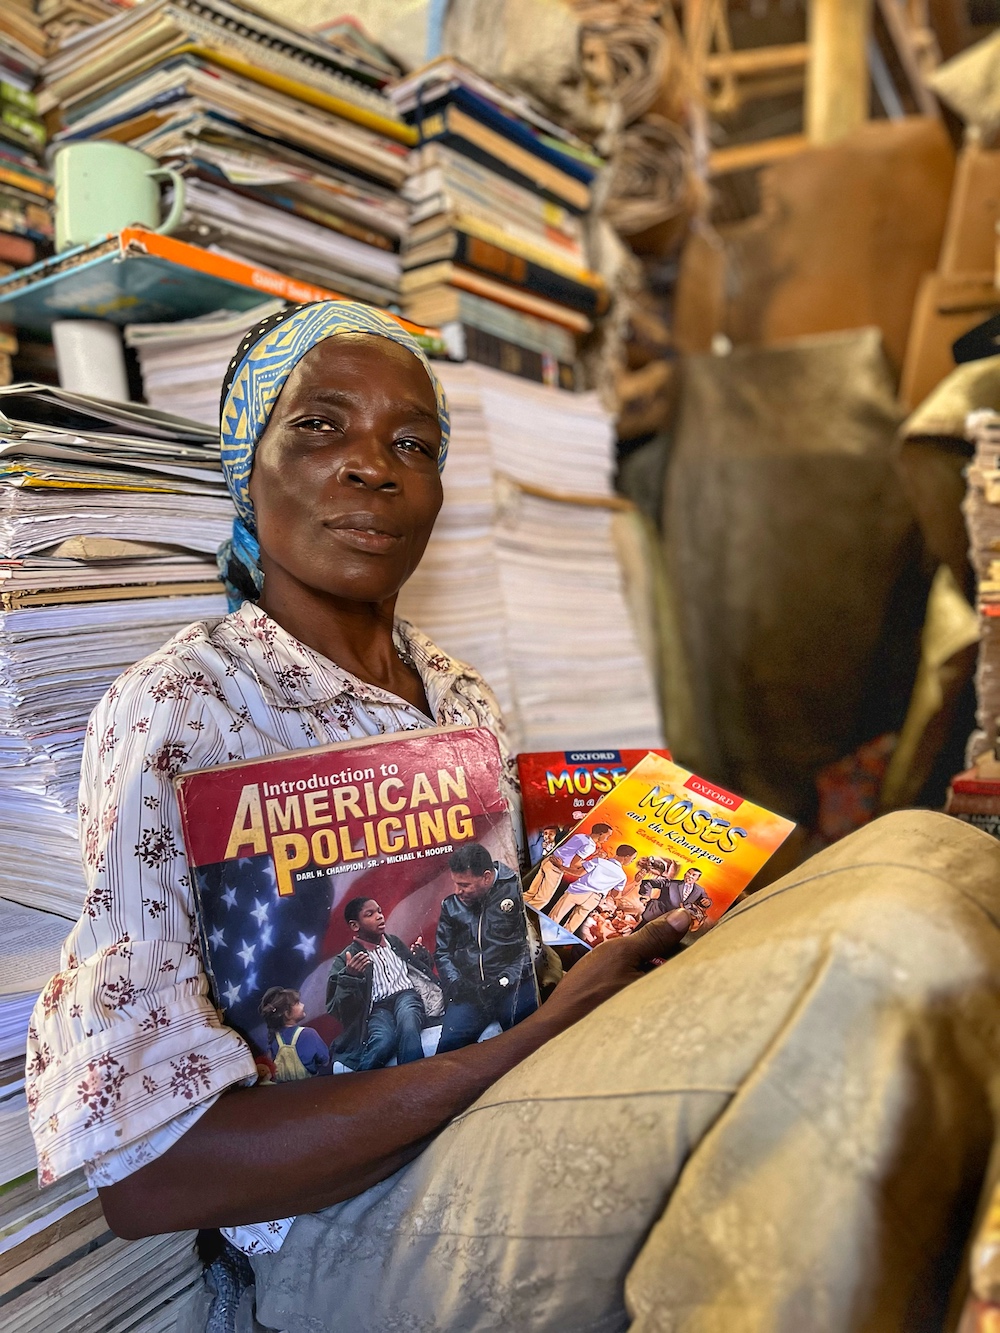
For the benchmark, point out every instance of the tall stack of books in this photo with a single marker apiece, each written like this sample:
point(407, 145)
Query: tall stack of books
point(25, 185)
point(292, 155)
point(982, 518)
point(496, 251)
point(109, 518)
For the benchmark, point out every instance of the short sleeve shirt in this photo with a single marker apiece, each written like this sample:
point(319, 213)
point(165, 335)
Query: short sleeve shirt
point(577, 844)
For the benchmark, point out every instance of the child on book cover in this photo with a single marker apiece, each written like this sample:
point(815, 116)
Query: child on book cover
point(296, 1051)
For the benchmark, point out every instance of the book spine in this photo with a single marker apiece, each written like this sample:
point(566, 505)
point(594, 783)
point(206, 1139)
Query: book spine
point(500, 123)
point(25, 102)
point(487, 258)
point(22, 129)
point(526, 330)
point(507, 159)
point(542, 221)
point(21, 180)
point(500, 354)
point(544, 255)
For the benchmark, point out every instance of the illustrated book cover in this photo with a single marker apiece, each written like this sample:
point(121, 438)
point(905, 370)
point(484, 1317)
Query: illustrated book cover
point(559, 788)
point(359, 904)
point(661, 838)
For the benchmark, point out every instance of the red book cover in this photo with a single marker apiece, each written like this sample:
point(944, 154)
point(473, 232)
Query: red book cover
point(560, 787)
point(356, 899)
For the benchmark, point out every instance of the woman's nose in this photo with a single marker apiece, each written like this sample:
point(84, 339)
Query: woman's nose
point(369, 464)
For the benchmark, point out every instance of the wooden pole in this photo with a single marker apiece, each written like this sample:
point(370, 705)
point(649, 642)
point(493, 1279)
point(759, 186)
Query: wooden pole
point(837, 76)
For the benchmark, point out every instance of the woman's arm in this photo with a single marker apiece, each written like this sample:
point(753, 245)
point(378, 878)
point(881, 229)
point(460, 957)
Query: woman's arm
point(263, 1153)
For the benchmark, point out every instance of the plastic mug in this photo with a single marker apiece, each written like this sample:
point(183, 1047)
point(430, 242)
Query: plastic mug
point(103, 187)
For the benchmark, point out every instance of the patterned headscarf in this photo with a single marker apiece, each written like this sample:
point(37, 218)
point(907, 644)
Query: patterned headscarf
point(268, 354)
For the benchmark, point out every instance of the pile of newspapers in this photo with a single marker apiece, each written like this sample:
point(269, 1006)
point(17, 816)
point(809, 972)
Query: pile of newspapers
point(109, 517)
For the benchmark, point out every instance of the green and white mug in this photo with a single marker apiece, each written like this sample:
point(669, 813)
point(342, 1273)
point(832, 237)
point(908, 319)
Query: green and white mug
point(103, 187)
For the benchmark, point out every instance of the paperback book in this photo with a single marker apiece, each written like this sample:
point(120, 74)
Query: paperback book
point(660, 839)
point(359, 904)
point(560, 787)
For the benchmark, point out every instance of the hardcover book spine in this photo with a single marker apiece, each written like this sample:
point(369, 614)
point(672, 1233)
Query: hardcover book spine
point(503, 322)
point(517, 165)
point(520, 272)
point(488, 350)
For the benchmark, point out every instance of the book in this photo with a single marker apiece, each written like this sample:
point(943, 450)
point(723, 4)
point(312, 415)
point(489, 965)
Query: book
point(439, 288)
point(974, 796)
point(487, 349)
point(140, 275)
point(456, 128)
point(505, 264)
point(429, 242)
point(466, 310)
point(560, 787)
point(274, 54)
point(435, 81)
point(662, 838)
point(307, 863)
point(442, 180)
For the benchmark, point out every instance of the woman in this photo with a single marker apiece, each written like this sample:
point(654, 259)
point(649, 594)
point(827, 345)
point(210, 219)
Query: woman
point(713, 1148)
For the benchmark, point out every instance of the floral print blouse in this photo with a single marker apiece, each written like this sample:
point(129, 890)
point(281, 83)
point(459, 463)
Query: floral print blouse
point(125, 1048)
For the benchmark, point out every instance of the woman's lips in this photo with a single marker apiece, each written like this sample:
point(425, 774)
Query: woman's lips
point(363, 532)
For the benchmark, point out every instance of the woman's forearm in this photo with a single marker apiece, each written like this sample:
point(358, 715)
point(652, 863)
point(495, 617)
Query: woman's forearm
point(264, 1153)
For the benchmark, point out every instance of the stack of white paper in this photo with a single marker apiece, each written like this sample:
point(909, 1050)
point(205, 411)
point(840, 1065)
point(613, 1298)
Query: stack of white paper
point(183, 364)
point(521, 579)
point(46, 696)
point(29, 954)
point(110, 515)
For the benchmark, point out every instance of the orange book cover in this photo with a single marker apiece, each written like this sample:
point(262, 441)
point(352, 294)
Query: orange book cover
point(662, 838)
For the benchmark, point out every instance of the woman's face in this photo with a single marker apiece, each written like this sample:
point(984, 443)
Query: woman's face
point(345, 484)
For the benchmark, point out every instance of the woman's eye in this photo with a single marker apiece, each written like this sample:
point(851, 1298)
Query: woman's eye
point(415, 446)
point(315, 423)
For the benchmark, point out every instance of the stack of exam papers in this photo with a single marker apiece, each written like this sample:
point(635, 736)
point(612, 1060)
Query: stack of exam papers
point(522, 576)
point(110, 515)
point(183, 363)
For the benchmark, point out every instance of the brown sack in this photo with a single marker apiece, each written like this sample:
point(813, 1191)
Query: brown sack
point(787, 538)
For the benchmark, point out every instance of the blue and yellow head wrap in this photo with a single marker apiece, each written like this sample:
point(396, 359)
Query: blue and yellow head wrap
point(257, 373)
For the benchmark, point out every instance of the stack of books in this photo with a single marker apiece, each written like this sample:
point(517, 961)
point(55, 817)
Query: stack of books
point(25, 184)
point(292, 155)
point(522, 575)
point(982, 518)
point(496, 251)
point(110, 516)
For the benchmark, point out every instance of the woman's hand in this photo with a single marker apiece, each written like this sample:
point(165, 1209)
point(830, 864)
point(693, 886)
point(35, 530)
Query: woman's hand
point(611, 966)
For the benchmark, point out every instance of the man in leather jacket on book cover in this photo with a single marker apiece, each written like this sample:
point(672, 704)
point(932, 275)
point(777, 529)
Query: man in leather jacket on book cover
point(482, 954)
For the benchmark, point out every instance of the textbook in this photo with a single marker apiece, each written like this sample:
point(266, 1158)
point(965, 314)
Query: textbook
point(661, 838)
point(359, 904)
point(560, 787)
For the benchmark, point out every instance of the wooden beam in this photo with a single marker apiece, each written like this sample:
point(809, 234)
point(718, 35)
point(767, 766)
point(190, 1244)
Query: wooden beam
point(758, 60)
point(837, 81)
point(898, 33)
point(743, 156)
